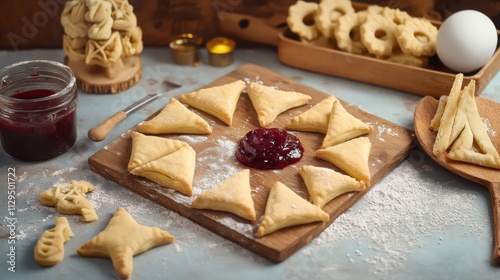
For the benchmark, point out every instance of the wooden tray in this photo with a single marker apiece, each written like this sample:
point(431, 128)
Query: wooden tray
point(434, 80)
point(215, 161)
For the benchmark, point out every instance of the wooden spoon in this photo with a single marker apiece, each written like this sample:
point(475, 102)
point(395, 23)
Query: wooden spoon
point(488, 177)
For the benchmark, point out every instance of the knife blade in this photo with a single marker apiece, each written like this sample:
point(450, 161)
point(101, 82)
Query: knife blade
point(101, 131)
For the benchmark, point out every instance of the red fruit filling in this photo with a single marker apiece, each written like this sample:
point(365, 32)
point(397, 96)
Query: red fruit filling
point(269, 148)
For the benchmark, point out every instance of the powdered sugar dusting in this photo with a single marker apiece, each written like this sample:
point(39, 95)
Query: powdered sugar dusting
point(215, 159)
point(397, 219)
point(489, 129)
point(193, 139)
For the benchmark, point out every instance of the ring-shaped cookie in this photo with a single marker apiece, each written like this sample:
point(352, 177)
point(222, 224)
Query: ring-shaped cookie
point(347, 33)
point(417, 36)
point(396, 15)
point(328, 13)
point(295, 20)
point(378, 35)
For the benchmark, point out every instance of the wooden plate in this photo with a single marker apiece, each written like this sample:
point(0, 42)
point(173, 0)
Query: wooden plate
point(215, 162)
point(433, 80)
point(489, 177)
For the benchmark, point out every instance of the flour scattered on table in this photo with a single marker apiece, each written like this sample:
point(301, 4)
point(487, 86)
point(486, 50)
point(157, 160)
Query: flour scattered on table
point(397, 219)
point(62, 171)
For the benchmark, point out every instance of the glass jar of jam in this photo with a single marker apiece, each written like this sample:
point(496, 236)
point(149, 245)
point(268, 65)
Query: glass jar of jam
point(37, 109)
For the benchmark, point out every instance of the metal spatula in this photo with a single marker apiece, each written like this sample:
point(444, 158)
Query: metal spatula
point(101, 131)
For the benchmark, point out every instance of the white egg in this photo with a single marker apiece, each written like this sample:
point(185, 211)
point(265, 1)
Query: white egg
point(466, 41)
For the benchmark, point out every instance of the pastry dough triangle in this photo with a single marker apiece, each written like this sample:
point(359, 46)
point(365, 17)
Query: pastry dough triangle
point(324, 184)
point(442, 141)
point(476, 122)
point(343, 126)
point(351, 157)
point(469, 127)
point(231, 195)
point(149, 148)
point(314, 119)
point(122, 239)
point(285, 208)
point(218, 101)
point(174, 170)
point(269, 102)
point(436, 120)
point(176, 118)
point(462, 150)
point(459, 121)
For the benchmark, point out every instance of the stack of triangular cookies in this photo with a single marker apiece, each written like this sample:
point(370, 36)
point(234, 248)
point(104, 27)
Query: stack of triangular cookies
point(460, 128)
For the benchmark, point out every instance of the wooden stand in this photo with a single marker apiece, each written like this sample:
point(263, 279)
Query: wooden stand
point(92, 79)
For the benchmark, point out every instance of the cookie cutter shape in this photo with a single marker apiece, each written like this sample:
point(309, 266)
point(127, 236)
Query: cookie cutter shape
point(378, 35)
point(69, 198)
point(49, 249)
point(417, 36)
point(328, 13)
point(297, 14)
point(347, 33)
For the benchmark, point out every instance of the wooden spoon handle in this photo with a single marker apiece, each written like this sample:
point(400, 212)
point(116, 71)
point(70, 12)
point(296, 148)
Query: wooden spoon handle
point(495, 199)
point(101, 131)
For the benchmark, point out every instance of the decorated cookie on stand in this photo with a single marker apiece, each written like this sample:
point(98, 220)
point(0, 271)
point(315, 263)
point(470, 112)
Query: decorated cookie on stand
point(102, 43)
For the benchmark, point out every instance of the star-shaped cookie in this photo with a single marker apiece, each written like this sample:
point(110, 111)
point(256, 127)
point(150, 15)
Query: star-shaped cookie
point(122, 239)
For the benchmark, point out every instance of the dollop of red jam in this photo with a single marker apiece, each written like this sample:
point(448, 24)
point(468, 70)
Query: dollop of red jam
point(269, 148)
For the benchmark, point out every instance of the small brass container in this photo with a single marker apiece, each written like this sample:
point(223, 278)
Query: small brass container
point(186, 49)
point(220, 51)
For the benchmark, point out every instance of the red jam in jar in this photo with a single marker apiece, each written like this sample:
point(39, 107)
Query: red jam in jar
point(38, 109)
point(269, 148)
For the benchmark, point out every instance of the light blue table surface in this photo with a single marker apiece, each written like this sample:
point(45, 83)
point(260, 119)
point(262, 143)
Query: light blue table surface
point(419, 222)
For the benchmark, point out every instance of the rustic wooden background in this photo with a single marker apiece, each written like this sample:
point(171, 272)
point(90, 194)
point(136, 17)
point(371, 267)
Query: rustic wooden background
point(35, 23)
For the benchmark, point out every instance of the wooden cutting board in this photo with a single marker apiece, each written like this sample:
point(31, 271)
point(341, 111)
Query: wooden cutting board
point(216, 161)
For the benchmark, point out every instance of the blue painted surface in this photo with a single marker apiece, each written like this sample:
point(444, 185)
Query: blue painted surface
point(446, 235)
